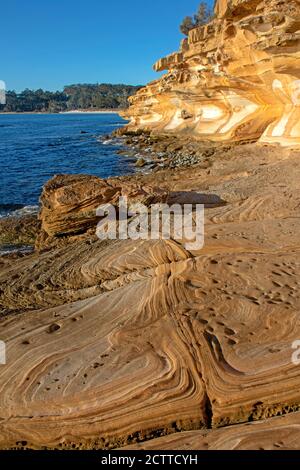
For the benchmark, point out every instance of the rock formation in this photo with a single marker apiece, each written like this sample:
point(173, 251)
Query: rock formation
point(112, 343)
point(237, 78)
point(280, 433)
point(144, 343)
point(69, 204)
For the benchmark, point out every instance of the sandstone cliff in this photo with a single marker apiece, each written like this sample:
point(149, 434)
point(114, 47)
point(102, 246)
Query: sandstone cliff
point(235, 79)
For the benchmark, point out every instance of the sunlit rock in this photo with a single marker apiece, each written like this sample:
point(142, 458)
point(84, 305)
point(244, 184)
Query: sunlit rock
point(237, 78)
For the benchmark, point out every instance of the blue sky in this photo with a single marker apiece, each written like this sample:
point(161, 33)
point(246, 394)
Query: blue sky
point(51, 43)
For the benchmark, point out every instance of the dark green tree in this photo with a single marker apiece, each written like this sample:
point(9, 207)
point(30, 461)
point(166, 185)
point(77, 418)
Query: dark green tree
point(187, 25)
point(202, 17)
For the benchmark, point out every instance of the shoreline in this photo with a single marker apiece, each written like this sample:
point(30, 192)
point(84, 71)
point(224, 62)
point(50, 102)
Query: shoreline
point(75, 111)
point(73, 278)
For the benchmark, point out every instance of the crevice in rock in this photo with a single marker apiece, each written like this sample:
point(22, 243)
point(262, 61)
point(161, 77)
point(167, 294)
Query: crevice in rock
point(208, 411)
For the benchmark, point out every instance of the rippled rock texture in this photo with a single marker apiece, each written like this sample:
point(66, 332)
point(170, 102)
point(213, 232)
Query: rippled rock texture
point(119, 342)
point(235, 79)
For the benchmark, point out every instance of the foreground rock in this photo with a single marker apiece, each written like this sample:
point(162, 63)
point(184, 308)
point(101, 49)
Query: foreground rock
point(235, 79)
point(19, 230)
point(69, 204)
point(115, 343)
point(280, 433)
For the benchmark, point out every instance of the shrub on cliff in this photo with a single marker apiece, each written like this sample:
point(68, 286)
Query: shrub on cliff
point(202, 17)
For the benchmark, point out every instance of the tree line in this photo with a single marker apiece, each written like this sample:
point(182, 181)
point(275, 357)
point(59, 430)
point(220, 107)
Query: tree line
point(80, 96)
point(85, 96)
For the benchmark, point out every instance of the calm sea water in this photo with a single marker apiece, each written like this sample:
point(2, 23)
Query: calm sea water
point(33, 148)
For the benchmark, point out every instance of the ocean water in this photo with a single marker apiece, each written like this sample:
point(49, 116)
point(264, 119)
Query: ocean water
point(33, 148)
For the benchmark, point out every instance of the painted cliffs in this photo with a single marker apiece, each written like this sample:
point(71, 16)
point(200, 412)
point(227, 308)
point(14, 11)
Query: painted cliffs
point(235, 79)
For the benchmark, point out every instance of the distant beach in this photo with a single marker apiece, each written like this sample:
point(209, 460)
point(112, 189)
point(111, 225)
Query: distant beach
point(75, 111)
point(91, 111)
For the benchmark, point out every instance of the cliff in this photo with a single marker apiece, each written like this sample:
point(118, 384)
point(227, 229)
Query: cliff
point(146, 343)
point(234, 79)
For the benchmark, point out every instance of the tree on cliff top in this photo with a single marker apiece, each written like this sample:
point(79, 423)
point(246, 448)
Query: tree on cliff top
point(202, 17)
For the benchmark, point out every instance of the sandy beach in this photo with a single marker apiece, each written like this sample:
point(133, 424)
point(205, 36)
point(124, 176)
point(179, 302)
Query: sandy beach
point(88, 111)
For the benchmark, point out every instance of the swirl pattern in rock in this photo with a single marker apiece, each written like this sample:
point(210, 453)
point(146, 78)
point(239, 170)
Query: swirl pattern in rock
point(118, 342)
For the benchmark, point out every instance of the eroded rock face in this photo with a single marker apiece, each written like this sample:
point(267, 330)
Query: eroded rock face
point(235, 79)
point(69, 204)
point(280, 433)
point(114, 343)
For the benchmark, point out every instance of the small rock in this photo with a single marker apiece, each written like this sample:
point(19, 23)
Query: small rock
point(141, 162)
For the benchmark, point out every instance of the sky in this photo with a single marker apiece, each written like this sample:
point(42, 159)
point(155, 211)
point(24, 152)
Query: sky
point(52, 43)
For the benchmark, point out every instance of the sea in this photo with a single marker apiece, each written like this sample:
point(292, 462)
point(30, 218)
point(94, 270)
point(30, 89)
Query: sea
point(35, 147)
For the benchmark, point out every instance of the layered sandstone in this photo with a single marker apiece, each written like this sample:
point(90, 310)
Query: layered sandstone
point(69, 204)
point(237, 78)
point(281, 433)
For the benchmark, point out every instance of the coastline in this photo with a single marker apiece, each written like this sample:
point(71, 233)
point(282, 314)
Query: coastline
point(150, 257)
point(75, 111)
point(87, 111)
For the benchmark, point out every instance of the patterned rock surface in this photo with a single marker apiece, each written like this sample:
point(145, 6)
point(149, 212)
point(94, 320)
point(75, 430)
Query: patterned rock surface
point(119, 342)
point(281, 433)
point(69, 204)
